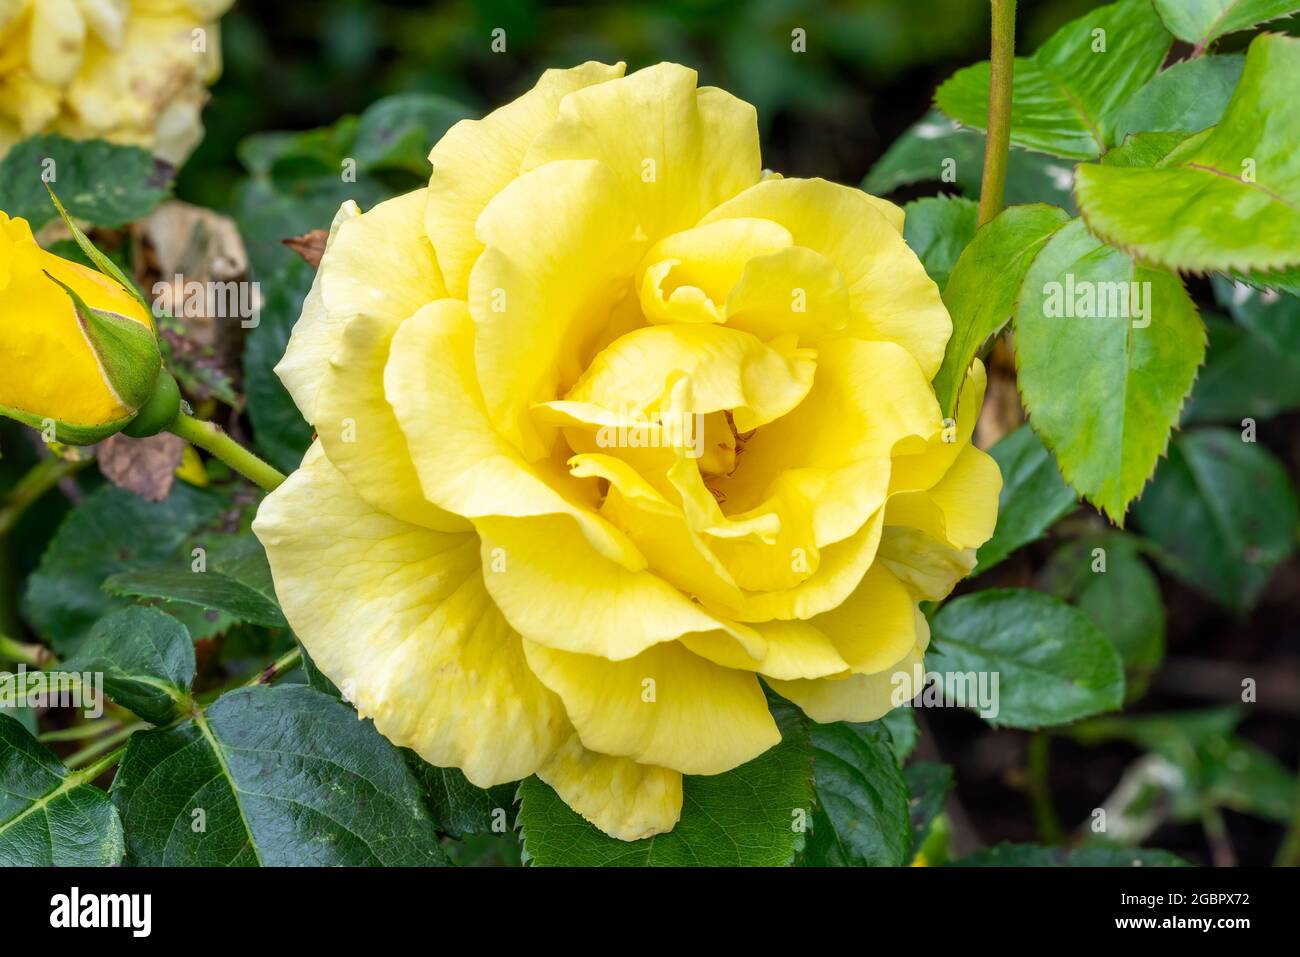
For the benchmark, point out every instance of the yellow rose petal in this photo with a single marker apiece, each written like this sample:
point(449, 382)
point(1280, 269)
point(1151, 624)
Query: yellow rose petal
point(463, 464)
point(353, 418)
point(317, 333)
point(397, 616)
point(626, 800)
point(856, 697)
point(476, 159)
point(539, 297)
point(678, 151)
point(930, 567)
point(688, 276)
point(961, 509)
point(727, 370)
point(890, 296)
point(833, 451)
point(57, 38)
point(795, 290)
point(40, 333)
point(795, 649)
point(542, 570)
point(877, 624)
point(665, 707)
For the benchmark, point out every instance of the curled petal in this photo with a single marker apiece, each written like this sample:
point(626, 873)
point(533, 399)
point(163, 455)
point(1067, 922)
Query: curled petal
point(890, 296)
point(626, 800)
point(476, 159)
point(678, 151)
point(560, 592)
point(397, 616)
point(664, 707)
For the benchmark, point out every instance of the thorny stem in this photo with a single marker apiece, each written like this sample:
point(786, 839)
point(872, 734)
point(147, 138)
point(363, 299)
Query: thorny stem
point(210, 438)
point(994, 184)
point(89, 773)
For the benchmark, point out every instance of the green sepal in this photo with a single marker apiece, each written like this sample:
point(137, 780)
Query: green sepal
point(69, 433)
point(102, 262)
point(127, 350)
point(159, 411)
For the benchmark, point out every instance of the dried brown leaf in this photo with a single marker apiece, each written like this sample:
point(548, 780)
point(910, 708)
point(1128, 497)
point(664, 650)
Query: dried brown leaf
point(146, 467)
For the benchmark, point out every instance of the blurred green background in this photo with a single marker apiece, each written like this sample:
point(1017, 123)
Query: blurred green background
point(868, 72)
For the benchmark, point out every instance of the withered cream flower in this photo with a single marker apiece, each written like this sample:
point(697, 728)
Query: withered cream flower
point(611, 426)
point(128, 71)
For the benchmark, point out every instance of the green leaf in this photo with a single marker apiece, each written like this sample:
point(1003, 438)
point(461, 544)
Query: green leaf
point(1175, 735)
point(1065, 97)
point(928, 783)
point(1118, 592)
point(398, 131)
point(99, 182)
point(1188, 97)
point(1103, 391)
point(1144, 150)
point(50, 817)
point(1201, 22)
point(902, 732)
point(1272, 317)
point(236, 582)
point(279, 776)
point(743, 817)
point(457, 806)
point(862, 817)
point(1245, 376)
point(982, 293)
point(1225, 200)
point(112, 531)
point(147, 659)
point(90, 252)
point(1247, 779)
point(1052, 663)
point(1275, 280)
point(938, 229)
point(1098, 855)
point(1033, 496)
point(278, 427)
point(297, 180)
point(1214, 767)
point(935, 148)
point(317, 678)
point(301, 154)
point(1223, 512)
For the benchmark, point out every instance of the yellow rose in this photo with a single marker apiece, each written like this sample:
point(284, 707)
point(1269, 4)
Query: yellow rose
point(79, 350)
point(128, 71)
point(507, 545)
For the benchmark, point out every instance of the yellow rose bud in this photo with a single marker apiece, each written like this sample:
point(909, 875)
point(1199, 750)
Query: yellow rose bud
point(79, 351)
point(611, 426)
